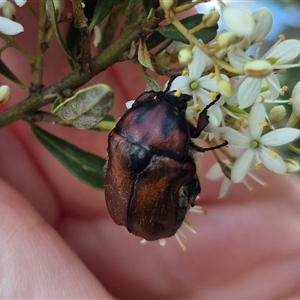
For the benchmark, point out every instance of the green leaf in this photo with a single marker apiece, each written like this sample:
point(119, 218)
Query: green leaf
point(87, 107)
point(171, 32)
point(154, 40)
point(4, 70)
point(109, 118)
point(148, 4)
point(103, 8)
point(86, 166)
point(105, 126)
point(53, 19)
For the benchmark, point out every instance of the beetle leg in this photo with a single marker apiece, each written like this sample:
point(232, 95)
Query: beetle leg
point(172, 78)
point(202, 121)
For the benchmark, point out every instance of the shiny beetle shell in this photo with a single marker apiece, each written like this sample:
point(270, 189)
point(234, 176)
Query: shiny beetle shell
point(151, 179)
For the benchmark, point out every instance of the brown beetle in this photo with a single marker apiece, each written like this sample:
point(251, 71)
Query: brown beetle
point(151, 179)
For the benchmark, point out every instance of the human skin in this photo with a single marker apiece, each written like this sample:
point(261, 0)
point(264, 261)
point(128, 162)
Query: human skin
point(58, 241)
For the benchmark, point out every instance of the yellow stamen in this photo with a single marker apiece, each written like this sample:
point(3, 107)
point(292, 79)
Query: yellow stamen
point(258, 164)
point(213, 95)
point(263, 123)
point(196, 107)
point(265, 185)
point(211, 75)
point(260, 44)
point(185, 72)
point(274, 154)
point(242, 121)
point(282, 37)
point(283, 90)
point(178, 92)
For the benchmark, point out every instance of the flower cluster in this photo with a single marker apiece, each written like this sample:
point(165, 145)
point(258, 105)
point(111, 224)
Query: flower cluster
point(240, 116)
point(245, 85)
point(7, 24)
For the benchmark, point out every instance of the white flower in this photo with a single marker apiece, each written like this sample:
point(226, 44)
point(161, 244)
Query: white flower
point(200, 88)
point(296, 99)
point(238, 21)
point(4, 94)
point(10, 27)
point(97, 36)
point(215, 172)
point(263, 19)
point(255, 144)
point(193, 84)
point(261, 72)
point(9, 11)
point(20, 3)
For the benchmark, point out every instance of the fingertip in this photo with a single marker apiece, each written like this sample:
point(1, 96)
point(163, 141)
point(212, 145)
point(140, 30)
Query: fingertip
point(35, 261)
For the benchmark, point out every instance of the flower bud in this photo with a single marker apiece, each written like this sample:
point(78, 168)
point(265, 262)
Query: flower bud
point(97, 36)
point(296, 106)
point(20, 3)
point(296, 90)
point(277, 114)
point(258, 68)
point(167, 4)
point(4, 94)
point(291, 165)
point(9, 11)
point(163, 58)
point(226, 39)
point(225, 87)
point(185, 56)
point(59, 6)
point(211, 19)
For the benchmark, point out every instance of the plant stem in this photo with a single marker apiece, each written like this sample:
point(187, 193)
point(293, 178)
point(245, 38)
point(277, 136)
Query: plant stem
point(11, 43)
point(81, 22)
point(39, 63)
point(29, 7)
point(112, 54)
point(171, 18)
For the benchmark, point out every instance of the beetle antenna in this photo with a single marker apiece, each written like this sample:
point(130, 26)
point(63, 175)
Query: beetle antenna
point(200, 149)
point(172, 78)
